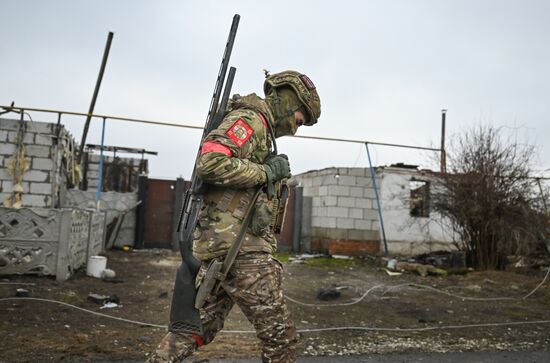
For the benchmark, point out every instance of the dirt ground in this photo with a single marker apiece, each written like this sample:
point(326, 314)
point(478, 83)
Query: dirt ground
point(39, 331)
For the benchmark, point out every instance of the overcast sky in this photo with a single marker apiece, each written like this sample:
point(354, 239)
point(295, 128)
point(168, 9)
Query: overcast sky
point(384, 69)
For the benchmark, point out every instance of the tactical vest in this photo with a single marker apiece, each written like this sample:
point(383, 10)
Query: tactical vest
point(231, 204)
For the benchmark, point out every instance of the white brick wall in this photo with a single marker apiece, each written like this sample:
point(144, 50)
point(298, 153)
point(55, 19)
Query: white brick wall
point(338, 212)
point(338, 190)
point(329, 200)
point(346, 202)
point(42, 164)
point(40, 181)
point(36, 176)
point(344, 223)
point(343, 198)
point(41, 188)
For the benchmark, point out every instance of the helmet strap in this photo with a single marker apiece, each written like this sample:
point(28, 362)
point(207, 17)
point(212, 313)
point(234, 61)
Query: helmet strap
point(276, 103)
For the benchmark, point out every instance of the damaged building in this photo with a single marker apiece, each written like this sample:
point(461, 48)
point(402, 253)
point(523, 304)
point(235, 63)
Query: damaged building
point(340, 212)
point(47, 225)
point(50, 223)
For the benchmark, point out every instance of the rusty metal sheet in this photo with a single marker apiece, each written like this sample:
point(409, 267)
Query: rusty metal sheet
point(159, 213)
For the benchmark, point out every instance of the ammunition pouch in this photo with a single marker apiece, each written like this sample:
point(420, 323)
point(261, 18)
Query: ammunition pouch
point(268, 215)
point(262, 220)
point(235, 201)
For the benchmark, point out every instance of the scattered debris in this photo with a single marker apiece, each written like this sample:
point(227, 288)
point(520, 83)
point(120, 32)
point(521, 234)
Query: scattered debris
point(522, 262)
point(108, 274)
point(395, 267)
point(442, 259)
point(103, 299)
point(342, 257)
point(304, 256)
point(392, 273)
point(327, 294)
point(21, 293)
point(110, 305)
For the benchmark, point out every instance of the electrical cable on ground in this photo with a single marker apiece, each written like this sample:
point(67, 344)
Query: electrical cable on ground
point(426, 287)
point(306, 330)
point(337, 304)
point(82, 309)
point(311, 330)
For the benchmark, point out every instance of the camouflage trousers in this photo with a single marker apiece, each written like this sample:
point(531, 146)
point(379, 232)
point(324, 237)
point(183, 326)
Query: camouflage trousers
point(254, 283)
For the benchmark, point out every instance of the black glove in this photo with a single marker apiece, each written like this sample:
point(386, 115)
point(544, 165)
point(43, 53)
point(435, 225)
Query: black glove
point(276, 168)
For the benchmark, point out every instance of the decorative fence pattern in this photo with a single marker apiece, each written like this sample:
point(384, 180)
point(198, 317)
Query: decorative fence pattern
point(48, 241)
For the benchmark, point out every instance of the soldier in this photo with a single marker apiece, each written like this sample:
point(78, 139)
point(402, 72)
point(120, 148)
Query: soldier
point(236, 160)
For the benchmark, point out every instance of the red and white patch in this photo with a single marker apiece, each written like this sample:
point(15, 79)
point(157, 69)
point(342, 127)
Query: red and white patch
point(309, 84)
point(240, 132)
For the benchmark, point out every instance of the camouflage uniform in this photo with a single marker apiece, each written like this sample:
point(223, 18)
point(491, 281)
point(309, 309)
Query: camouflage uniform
point(231, 164)
point(254, 284)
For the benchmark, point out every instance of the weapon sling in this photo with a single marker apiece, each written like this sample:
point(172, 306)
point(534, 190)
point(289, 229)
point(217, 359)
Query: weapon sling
point(217, 270)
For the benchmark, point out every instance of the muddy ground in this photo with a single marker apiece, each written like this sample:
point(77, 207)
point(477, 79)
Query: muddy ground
point(39, 331)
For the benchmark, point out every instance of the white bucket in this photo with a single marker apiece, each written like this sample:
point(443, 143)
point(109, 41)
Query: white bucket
point(96, 265)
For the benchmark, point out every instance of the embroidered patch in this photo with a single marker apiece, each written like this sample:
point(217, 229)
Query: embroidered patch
point(240, 132)
point(309, 84)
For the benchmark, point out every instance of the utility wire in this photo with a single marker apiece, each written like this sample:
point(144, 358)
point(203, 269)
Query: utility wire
point(361, 328)
point(426, 287)
point(305, 330)
point(164, 123)
point(82, 309)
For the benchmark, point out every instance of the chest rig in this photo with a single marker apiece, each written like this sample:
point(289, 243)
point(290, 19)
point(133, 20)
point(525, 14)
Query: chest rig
point(269, 215)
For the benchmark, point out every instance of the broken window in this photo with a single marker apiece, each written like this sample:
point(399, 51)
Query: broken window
point(420, 198)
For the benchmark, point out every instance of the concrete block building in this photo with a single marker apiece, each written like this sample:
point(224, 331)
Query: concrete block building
point(341, 211)
point(37, 163)
point(39, 234)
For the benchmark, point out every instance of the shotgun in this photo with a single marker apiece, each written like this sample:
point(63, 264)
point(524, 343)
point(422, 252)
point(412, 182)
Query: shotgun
point(184, 317)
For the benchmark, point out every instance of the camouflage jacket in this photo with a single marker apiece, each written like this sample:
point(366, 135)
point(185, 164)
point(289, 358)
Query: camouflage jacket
point(231, 167)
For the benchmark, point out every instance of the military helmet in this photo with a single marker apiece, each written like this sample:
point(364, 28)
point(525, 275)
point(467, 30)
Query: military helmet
point(304, 88)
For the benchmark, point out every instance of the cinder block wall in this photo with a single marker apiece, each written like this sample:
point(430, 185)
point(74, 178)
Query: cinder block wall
point(343, 217)
point(92, 173)
point(114, 204)
point(44, 183)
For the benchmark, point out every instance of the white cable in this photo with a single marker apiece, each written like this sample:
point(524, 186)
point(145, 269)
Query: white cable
point(539, 285)
point(85, 310)
point(312, 330)
point(17, 283)
point(428, 328)
point(427, 288)
point(337, 304)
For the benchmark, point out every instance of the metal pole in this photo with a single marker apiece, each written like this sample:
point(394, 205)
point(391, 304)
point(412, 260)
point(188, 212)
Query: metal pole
point(100, 177)
point(443, 167)
point(373, 177)
point(297, 220)
point(94, 97)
